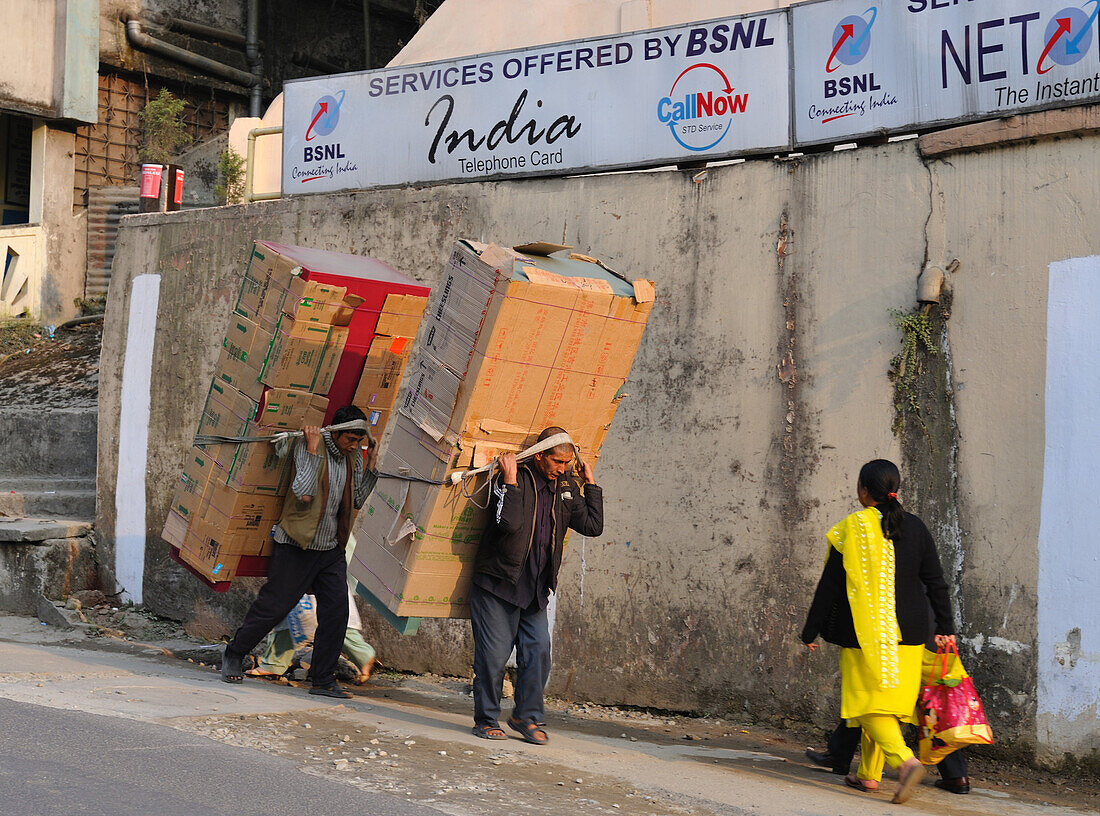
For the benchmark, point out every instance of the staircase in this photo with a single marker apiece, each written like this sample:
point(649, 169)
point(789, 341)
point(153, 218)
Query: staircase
point(48, 418)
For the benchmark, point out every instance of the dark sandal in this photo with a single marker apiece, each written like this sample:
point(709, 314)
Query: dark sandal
point(853, 781)
point(490, 732)
point(331, 690)
point(528, 730)
point(232, 668)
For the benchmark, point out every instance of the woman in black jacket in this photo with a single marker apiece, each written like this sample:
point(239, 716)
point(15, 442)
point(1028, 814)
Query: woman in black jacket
point(881, 573)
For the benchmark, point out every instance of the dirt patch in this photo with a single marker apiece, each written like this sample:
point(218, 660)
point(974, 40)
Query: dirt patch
point(62, 372)
point(19, 336)
point(449, 776)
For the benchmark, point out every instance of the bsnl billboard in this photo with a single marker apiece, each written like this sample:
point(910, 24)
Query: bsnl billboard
point(702, 91)
point(820, 72)
point(897, 65)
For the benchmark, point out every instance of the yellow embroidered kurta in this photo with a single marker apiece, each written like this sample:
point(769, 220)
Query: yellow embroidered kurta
point(880, 677)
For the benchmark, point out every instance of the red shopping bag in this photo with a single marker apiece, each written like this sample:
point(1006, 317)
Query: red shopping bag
point(949, 711)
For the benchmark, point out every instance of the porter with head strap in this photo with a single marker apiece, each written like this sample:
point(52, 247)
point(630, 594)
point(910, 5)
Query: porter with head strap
point(532, 504)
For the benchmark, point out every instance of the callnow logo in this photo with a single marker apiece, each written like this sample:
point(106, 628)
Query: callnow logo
point(852, 40)
point(1068, 36)
point(700, 107)
point(326, 116)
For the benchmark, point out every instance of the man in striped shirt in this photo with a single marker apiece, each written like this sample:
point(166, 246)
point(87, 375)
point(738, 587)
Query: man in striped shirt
point(331, 481)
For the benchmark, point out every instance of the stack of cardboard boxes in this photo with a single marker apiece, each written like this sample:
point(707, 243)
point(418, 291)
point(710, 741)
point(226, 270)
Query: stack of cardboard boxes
point(514, 341)
point(283, 349)
point(387, 358)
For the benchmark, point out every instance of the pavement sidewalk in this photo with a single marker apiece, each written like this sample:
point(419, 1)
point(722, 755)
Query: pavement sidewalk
point(411, 736)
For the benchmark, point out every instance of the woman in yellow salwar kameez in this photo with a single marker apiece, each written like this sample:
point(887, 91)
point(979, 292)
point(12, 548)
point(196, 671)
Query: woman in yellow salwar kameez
point(880, 576)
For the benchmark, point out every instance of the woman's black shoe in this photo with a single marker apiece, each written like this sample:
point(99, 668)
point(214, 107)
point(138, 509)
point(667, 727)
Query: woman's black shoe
point(826, 760)
point(960, 784)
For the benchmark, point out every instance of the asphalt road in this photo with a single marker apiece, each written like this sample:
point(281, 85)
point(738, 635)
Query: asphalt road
point(97, 726)
point(58, 763)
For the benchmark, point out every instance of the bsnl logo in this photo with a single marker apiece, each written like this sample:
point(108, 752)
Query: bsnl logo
point(982, 52)
point(851, 43)
point(326, 115)
point(700, 118)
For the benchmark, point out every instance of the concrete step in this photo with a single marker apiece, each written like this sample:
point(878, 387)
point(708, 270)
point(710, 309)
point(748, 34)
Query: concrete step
point(39, 441)
point(44, 557)
point(48, 497)
point(33, 530)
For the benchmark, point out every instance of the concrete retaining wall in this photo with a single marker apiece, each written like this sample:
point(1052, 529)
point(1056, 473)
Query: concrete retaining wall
point(760, 389)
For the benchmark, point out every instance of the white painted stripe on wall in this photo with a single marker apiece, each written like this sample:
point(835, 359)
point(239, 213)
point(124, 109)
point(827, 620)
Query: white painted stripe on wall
point(133, 437)
point(1069, 556)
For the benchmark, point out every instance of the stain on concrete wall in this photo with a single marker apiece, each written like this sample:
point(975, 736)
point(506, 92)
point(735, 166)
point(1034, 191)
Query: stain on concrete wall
point(760, 389)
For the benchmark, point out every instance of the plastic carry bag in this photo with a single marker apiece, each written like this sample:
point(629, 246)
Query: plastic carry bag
point(302, 621)
point(949, 710)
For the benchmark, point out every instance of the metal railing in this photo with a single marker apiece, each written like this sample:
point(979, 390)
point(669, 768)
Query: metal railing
point(250, 161)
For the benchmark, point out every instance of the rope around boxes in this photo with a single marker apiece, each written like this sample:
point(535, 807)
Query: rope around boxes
point(282, 440)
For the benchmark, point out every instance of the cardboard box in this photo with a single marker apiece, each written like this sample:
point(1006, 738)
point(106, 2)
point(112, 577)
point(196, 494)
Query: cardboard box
point(246, 341)
point(238, 375)
point(231, 512)
point(316, 302)
point(304, 356)
point(401, 315)
point(273, 288)
point(513, 342)
point(227, 411)
point(209, 553)
point(198, 473)
point(382, 372)
point(378, 421)
point(291, 409)
point(244, 350)
point(424, 571)
point(214, 542)
point(267, 270)
point(251, 467)
point(175, 529)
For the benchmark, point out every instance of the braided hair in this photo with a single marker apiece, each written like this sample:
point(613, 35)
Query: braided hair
point(881, 479)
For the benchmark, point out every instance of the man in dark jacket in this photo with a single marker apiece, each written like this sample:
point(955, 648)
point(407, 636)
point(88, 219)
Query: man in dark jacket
point(516, 568)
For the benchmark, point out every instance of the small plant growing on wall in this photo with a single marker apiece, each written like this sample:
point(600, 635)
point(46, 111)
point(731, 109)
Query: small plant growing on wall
point(163, 132)
point(905, 368)
point(230, 186)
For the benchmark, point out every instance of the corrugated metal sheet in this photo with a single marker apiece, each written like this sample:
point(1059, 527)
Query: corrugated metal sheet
point(106, 205)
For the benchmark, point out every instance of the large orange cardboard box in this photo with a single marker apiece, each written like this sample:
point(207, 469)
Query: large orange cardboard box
point(513, 341)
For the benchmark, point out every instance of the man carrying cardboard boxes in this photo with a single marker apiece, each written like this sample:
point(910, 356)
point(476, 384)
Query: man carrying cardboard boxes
point(330, 482)
point(515, 570)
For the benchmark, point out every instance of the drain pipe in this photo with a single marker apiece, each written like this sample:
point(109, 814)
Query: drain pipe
point(204, 31)
point(139, 39)
point(255, 62)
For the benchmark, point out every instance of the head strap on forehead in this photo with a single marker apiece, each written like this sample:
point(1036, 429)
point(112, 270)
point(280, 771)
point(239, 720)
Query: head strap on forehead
point(354, 425)
point(281, 441)
point(549, 443)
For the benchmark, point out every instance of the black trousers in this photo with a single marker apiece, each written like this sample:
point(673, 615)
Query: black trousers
point(844, 741)
point(292, 573)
